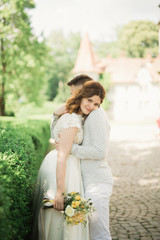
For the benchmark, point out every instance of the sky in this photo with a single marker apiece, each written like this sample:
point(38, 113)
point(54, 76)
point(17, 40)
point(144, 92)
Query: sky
point(99, 18)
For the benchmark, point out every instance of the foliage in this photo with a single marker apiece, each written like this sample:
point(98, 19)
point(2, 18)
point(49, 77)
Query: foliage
point(105, 80)
point(4, 209)
point(63, 93)
point(23, 56)
point(104, 49)
point(22, 147)
point(63, 51)
point(32, 111)
point(138, 38)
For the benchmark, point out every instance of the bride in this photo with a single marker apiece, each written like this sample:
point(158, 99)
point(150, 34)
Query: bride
point(60, 171)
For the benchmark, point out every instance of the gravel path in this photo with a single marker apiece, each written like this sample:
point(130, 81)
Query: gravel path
point(134, 158)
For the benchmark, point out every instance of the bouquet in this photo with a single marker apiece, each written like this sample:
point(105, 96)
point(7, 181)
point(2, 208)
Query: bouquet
point(76, 209)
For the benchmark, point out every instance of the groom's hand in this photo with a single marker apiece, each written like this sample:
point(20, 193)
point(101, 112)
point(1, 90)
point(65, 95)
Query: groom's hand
point(60, 111)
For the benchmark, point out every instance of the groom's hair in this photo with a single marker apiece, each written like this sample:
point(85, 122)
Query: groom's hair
point(79, 80)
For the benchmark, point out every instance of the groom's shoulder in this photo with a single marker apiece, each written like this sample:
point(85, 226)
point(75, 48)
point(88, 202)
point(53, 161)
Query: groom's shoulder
point(98, 114)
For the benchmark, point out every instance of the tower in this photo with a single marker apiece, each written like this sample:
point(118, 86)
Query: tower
point(87, 62)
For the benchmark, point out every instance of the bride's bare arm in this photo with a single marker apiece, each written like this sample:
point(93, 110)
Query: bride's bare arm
point(65, 144)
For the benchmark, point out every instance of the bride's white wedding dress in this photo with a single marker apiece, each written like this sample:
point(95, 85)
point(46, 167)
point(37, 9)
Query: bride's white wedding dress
point(49, 223)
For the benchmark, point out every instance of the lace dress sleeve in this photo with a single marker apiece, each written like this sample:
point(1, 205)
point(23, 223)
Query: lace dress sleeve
point(70, 120)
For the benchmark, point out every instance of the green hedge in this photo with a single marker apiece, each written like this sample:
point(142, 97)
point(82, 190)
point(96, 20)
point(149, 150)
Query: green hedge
point(22, 148)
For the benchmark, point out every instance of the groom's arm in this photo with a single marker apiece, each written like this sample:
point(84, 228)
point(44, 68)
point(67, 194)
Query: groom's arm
point(98, 133)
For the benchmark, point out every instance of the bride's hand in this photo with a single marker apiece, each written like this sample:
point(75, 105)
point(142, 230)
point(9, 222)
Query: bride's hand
point(59, 202)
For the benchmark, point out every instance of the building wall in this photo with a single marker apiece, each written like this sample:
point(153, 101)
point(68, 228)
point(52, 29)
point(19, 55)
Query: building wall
point(134, 102)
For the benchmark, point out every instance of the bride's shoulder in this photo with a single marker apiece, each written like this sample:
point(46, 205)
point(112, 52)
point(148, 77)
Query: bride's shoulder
point(71, 116)
point(71, 120)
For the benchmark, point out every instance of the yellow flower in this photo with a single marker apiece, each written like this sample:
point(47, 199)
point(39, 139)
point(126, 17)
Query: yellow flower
point(70, 219)
point(79, 217)
point(72, 193)
point(77, 203)
point(73, 204)
point(78, 197)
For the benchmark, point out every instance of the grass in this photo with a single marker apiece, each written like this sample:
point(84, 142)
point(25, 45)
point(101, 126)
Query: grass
point(32, 111)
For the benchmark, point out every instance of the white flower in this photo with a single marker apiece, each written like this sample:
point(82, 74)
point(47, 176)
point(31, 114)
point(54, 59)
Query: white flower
point(69, 211)
point(83, 199)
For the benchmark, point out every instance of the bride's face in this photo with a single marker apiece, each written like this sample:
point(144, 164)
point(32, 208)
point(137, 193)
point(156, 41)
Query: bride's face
point(89, 104)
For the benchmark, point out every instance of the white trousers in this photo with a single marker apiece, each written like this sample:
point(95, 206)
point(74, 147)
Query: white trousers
point(99, 221)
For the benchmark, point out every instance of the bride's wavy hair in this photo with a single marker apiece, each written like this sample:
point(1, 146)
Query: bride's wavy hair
point(88, 90)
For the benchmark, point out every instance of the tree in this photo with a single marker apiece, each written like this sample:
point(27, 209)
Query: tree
point(22, 55)
point(63, 51)
point(104, 49)
point(138, 38)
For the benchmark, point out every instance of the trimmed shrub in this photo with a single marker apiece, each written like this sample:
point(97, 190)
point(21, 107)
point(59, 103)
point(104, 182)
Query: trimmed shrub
point(22, 148)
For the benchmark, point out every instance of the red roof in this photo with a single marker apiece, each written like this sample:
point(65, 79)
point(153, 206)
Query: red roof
point(122, 69)
point(125, 70)
point(87, 61)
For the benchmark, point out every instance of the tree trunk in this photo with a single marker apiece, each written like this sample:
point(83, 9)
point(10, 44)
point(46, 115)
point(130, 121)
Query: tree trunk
point(2, 94)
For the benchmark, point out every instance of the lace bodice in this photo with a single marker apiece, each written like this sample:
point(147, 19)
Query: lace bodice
point(66, 121)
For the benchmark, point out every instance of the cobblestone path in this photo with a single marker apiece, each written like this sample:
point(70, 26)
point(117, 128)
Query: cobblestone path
point(134, 158)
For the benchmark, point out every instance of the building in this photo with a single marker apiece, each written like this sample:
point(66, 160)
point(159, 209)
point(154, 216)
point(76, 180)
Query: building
point(87, 62)
point(135, 82)
point(135, 88)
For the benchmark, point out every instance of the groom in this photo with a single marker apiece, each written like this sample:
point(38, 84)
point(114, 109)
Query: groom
point(96, 174)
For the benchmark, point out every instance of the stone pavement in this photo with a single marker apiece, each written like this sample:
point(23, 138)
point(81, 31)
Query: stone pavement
point(134, 158)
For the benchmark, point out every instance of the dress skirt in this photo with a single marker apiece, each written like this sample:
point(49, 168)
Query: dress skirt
point(49, 223)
